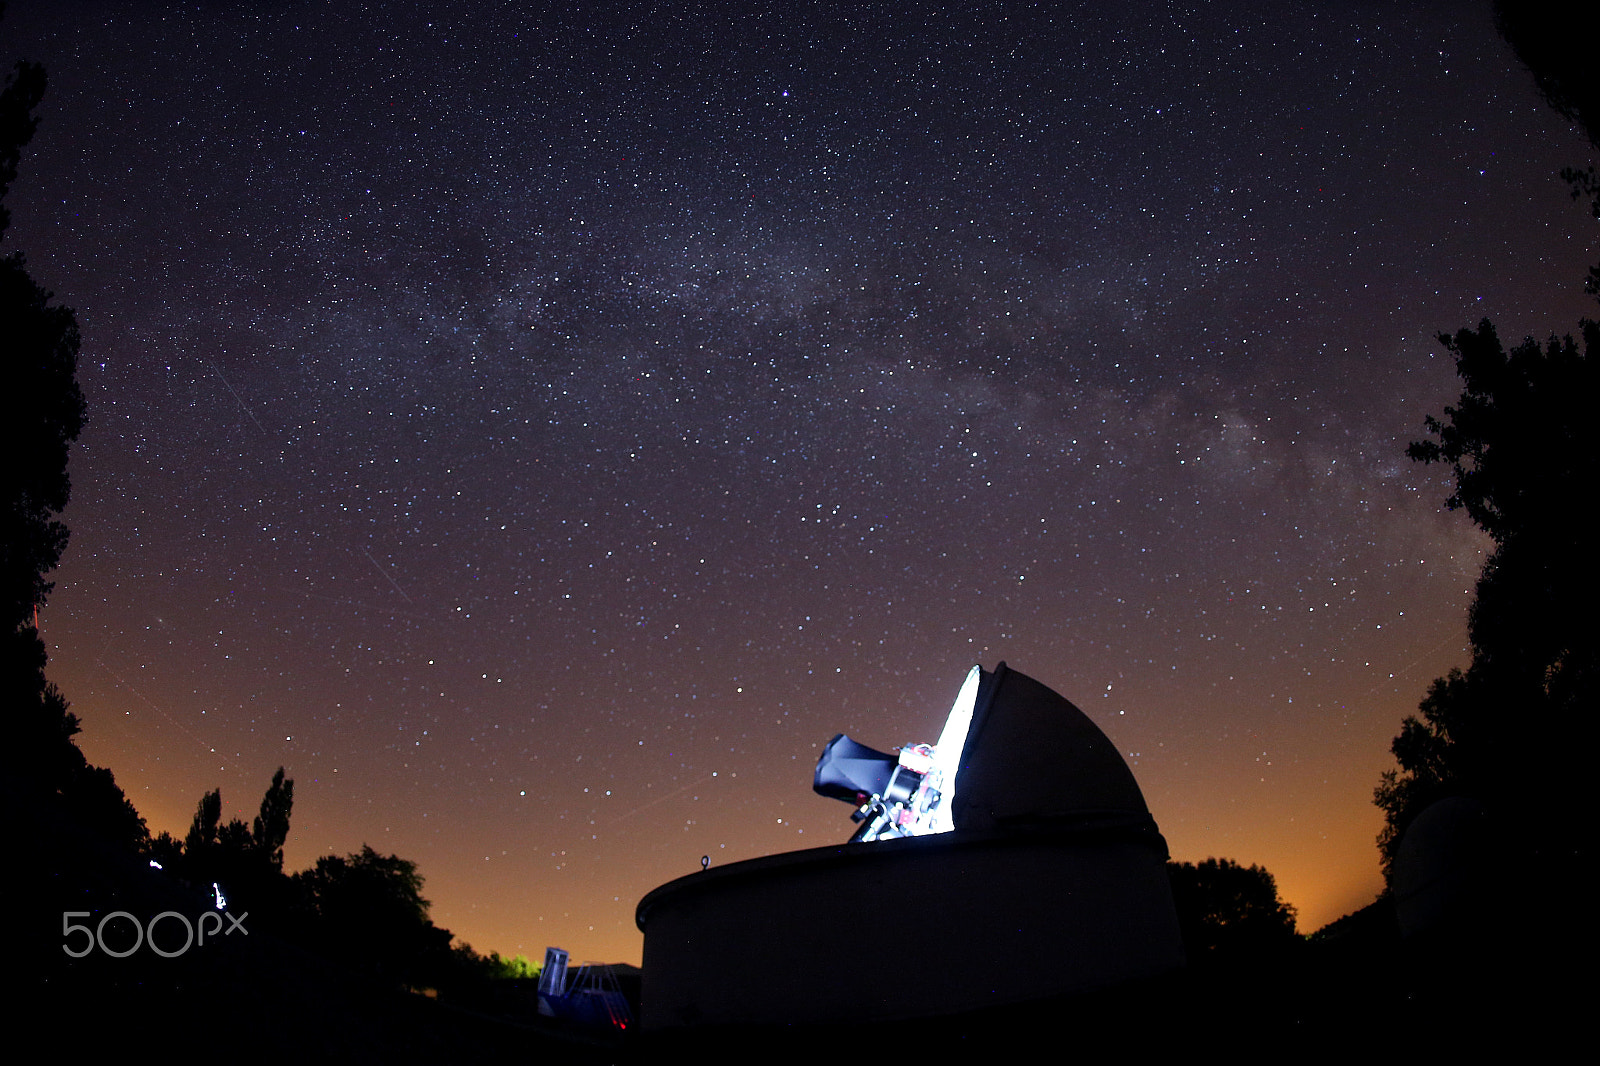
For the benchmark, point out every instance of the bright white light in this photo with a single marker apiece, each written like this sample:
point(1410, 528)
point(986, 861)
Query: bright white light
point(947, 753)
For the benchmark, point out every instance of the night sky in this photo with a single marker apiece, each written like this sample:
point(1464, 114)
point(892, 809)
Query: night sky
point(541, 430)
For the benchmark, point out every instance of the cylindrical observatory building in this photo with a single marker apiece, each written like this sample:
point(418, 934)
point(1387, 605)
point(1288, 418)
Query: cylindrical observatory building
point(1013, 861)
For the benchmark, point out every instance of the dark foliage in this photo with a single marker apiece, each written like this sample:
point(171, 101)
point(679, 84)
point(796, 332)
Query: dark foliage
point(41, 414)
point(24, 89)
point(244, 861)
point(271, 827)
point(1510, 729)
point(41, 407)
point(1555, 41)
point(1426, 751)
point(203, 827)
point(95, 799)
point(364, 911)
point(1227, 911)
point(1585, 185)
point(1514, 437)
point(367, 910)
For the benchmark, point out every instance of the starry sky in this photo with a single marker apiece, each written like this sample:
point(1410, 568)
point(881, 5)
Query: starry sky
point(539, 428)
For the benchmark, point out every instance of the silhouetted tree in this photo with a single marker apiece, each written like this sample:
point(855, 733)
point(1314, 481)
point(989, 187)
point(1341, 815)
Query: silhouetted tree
point(23, 91)
point(368, 910)
point(1229, 911)
point(246, 861)
point(95, 799)
point(203, 826)
point(1427, 754)
point(41, 414)
point(166, 850)
point(271, 828)
point(1509, 729)
point(1555, 41)
point(43, 409)
point(1517, 442)
point(235, 836)
point(42, 727)
point(1513, 730)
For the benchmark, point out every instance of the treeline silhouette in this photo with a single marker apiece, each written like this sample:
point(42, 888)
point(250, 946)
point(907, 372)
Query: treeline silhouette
point(1487, 848)
point(85, 848)
point(1230, 913)
point(41, 414)
point(1489, 803)
point(1515, 729)
point(364, 909)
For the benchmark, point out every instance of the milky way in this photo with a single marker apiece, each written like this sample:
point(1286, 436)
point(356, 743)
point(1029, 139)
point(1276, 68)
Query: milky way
point(539, 432)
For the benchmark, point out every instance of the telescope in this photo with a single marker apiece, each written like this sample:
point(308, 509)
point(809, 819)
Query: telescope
point(911, 793)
